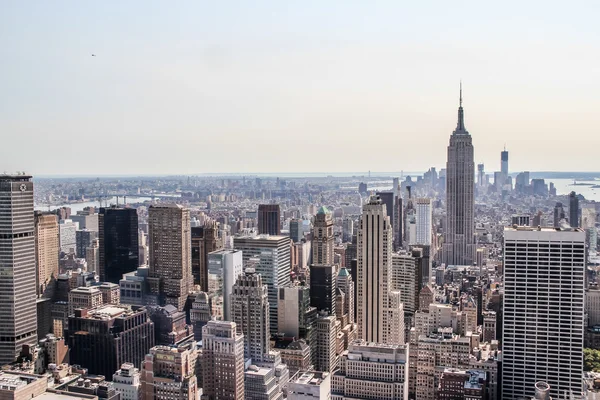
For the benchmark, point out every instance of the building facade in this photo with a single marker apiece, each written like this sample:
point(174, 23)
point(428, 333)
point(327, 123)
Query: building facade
point(118, 250)
point(222, 361)
point(269, 219)
point(375, 308)
point(170, 254)
point(18, 324)
point(544, 271)
point(459, 246)
point(250, 312)
point(47, 249)
point(274, 265)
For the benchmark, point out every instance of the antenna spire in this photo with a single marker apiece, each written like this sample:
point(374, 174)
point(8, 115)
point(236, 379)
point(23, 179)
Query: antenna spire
point(460, 96)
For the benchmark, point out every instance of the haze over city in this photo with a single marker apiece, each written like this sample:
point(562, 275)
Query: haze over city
point(215, 87)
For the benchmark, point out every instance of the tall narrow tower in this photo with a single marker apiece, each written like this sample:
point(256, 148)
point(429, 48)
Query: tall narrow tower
point(250, 311)
point(18, 321)
point(376, 305)
point(459, 247)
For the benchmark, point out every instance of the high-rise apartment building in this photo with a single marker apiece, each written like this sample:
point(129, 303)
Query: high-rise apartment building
point(118, 249)
point(274, 265)
point(168, 372)
point(170, 256)
point(250, 312)
point(322, 238)
point(104, 338)
point(47, 249)
point(459, 246)
point(68, 236)
point(544, 271)
point(573, 212)
point(377, 307)
point(269, 219)
point(205, 239)
point(224, 267)
point(17, 266)
point(424, 218)
point(222, 361)
point(404, 277)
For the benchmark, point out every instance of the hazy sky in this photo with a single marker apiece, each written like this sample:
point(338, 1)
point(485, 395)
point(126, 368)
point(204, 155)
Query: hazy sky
point(267, 86)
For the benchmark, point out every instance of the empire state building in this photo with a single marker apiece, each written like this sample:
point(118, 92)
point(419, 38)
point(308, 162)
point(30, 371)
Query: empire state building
point(459, 244)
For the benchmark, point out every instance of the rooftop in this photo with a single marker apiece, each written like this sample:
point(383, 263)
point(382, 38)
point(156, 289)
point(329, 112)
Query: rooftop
point(311, 377)
point(516, 228)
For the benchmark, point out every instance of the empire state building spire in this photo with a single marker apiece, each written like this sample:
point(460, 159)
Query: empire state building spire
point(459, 246)
point(460, 126)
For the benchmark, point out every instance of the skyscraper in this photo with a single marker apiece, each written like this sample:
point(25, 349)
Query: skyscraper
point(459, 247)
point(387, 198)
point(574, 210)
point(504, 163)
point(322, 242)
point(424, 212)
point(250, 312)
point(170, 256)
point(118, 245)
point(323, 287)
point(322, 270)
point(104, 338)
point(224, 266)
point(375, 308)
point(274, 264)
point(543, 311)
point(269, 216)
point(205, 239)
point(47, 249)
point(222, 361)
point(296, 230)
point(480, 175)
point(18, 322)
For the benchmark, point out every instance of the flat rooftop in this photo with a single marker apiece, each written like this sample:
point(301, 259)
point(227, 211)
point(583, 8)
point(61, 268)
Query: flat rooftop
point(515, 228)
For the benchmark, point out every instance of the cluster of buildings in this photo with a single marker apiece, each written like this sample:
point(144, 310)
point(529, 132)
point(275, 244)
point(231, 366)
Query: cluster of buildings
point(417, 292)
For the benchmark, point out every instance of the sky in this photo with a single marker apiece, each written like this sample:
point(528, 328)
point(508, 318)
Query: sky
point(193, 87)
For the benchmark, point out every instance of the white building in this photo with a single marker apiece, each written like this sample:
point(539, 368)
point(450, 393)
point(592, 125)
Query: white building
point(544, 273)
point(274, 266)
point(224, 266)
point(127, 382)
point(372, 371)
point(310, 385)
point(424, 212)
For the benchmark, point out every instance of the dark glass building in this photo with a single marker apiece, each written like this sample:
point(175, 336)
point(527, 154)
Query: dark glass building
point(322, 288)
point(574, 210)
point(269, 217)
point(104, 338)
point(118, 238)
